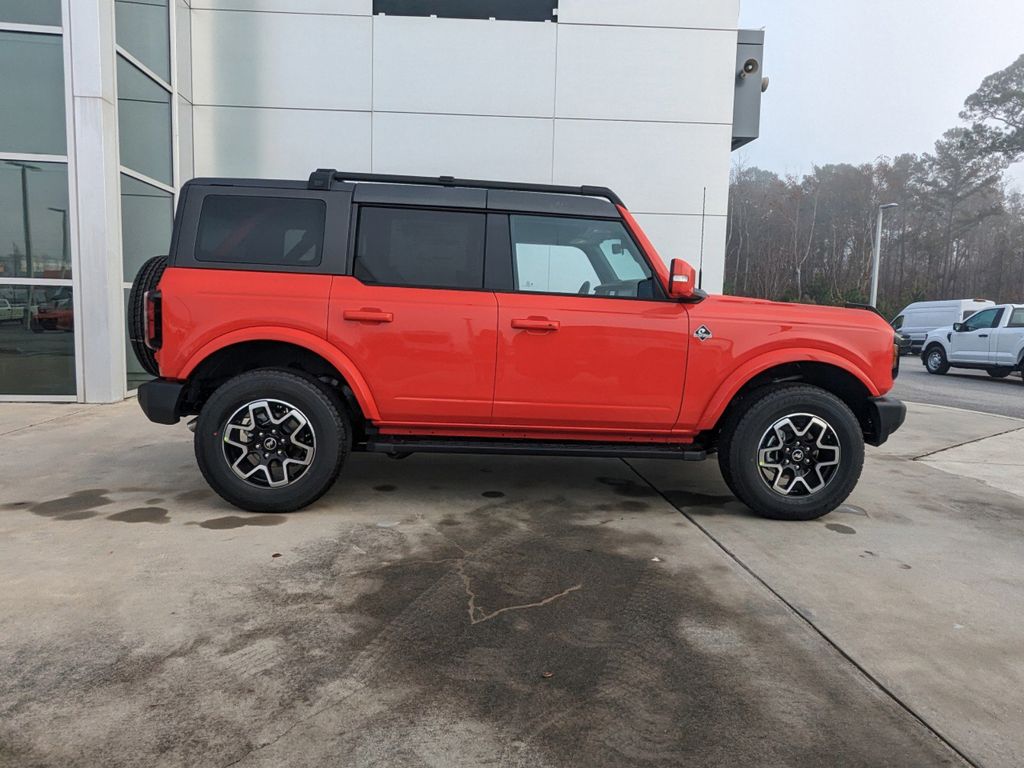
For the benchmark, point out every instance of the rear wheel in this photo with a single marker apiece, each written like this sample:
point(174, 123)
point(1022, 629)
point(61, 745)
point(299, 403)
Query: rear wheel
point(146, 280)
point(999, 373)
point(272, 441)
point(935, 360)
point(796, 453)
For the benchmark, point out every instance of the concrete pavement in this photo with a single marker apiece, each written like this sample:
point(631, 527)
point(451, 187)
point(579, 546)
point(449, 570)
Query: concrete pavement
point(469, 611)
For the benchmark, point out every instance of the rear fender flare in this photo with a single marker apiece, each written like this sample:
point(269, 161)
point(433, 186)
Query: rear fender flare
point(739, 377)
point(308, 341)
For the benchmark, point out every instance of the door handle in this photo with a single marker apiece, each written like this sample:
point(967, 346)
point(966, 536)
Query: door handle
point(536, 324)
point(368, 316)
point(982, 335)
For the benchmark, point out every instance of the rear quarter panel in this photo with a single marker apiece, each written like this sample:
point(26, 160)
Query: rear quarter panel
point(749, 337)
point(201, 306)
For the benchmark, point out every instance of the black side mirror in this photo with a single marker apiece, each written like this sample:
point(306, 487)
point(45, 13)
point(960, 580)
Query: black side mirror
point(959, 327)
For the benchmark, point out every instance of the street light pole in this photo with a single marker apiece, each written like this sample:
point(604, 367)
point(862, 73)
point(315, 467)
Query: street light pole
point(876, 254)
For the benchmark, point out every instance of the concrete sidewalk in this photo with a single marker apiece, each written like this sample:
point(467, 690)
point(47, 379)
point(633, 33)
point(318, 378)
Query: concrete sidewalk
point(460, 611)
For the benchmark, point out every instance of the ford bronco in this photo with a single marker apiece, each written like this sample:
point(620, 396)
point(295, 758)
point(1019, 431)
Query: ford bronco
point(301, 321)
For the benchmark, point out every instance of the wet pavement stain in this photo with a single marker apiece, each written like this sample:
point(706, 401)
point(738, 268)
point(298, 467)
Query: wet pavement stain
point(199, 494)
point(79, 501)
point(493, 495)
point(234, 521)
point(153, 502)
point(141, 515)
point(839, 528)
point(70, 516)
point(17, 505)
point(626, 487)
point(385, 488)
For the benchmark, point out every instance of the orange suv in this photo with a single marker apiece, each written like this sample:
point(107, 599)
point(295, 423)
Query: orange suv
point(304, 320)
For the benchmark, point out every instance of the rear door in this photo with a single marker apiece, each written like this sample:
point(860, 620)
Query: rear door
point(414, 316)
point(586, 340)
point(1007, 339)
point(973, 343)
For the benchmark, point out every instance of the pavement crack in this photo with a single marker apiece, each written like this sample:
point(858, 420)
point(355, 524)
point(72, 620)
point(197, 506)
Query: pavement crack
point(966, 442)
point(478, 615)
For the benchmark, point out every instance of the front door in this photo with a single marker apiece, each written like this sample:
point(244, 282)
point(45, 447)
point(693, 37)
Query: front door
point(414, 317)
point(586, 341)
point(971, 344)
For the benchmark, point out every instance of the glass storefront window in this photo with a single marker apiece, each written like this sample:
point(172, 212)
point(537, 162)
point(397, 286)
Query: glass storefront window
point(147, 214)
point(143, 29)
point(37, 340)
point(144, 123)
point(32, 94)
point(43, 12)
point(34, 236)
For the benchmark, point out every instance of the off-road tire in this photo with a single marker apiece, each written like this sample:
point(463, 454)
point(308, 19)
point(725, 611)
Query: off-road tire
point(325, 412)
point(146, 280)
point(742, 434)
point(935, 361)
point(999, 373)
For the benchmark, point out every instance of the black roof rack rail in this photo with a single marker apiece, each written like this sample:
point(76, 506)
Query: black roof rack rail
point(324, 178)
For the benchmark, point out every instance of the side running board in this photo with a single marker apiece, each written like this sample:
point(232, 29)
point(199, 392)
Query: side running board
point(406, 446)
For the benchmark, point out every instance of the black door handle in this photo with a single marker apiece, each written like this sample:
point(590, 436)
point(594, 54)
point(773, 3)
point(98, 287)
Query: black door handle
point(982, 335)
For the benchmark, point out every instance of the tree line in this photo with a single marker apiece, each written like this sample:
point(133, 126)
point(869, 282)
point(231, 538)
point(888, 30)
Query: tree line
point(958, 233)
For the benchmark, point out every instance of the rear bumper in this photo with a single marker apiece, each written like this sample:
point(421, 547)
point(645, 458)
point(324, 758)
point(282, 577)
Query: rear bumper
point(885, 415)
point(160, 400)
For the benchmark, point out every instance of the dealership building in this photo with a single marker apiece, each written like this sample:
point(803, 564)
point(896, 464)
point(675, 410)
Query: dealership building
point(108, 106)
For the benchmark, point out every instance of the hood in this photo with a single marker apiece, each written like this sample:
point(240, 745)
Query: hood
point(800, 313)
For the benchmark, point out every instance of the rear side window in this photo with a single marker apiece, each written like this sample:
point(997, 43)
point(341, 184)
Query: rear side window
point(419, 248)
point(1017, 319)
point(274, 231)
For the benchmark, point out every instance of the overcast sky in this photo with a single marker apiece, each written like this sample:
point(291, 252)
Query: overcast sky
point(855, 79)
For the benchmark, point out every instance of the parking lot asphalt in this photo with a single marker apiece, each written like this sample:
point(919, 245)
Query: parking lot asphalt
point(466, 611)
point(960, 388)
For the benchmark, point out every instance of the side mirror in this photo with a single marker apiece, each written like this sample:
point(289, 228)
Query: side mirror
point(959, 327)
point(682, 281)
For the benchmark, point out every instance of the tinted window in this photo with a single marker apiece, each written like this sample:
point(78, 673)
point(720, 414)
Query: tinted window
point(898, 322)
point(503, 10)
point(142, 30)
point(585, 257)
point(147, 214)
point(278, 231)
point(45, 12)
point(428, 249)
point(987, 319)
point(37, 340)
point(34, 240)
point(1017, 319)
point(32, 94)
point(144, 122)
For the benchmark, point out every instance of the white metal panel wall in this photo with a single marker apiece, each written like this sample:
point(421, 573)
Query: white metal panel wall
point(632, 94)
point(463, 66)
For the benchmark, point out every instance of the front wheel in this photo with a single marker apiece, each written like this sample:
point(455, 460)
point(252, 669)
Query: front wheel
point(795, 453)
point(935, 361)
point(271, 440)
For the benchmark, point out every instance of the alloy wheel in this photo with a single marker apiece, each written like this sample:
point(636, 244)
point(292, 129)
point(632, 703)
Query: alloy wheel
point(798, 455)
point(269, 443)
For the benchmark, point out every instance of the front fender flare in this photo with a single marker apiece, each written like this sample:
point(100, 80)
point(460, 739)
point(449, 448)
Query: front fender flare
point(314, 344)
point(739, 377)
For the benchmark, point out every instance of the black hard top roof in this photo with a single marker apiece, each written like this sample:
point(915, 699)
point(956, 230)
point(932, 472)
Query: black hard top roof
point(448, 192)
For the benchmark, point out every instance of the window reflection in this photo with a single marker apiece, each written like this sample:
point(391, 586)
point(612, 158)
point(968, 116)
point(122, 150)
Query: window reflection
point(37, 340)
point(147, 215)
point(34, 237)
point(143, 31)
point(144, 123)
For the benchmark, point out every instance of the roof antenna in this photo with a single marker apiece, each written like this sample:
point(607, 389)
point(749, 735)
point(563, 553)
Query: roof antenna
point(703, 216)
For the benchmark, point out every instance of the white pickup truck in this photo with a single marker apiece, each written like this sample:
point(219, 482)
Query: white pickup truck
point(991, 340)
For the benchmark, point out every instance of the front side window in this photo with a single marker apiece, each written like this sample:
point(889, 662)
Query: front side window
point(583, 257)
point(897, 323)
point(421, 249)
point(269, 231)
point(987, 319)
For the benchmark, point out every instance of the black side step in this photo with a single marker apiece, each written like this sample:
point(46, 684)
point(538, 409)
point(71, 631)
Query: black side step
point(405, 446)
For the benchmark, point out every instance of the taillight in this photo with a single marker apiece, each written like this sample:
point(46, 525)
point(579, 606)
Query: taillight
point(154, 330)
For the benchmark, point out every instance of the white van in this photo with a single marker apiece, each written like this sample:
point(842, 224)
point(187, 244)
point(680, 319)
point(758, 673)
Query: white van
point(923, 317)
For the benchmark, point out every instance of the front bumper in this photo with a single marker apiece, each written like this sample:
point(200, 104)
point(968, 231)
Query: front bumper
point(885, 416)
point(160, 400)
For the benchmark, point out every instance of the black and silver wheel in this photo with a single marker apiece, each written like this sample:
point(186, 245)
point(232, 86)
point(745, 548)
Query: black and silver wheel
point(271, 440)
point(795, 453)
point(935, 360)
point(999, 373)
